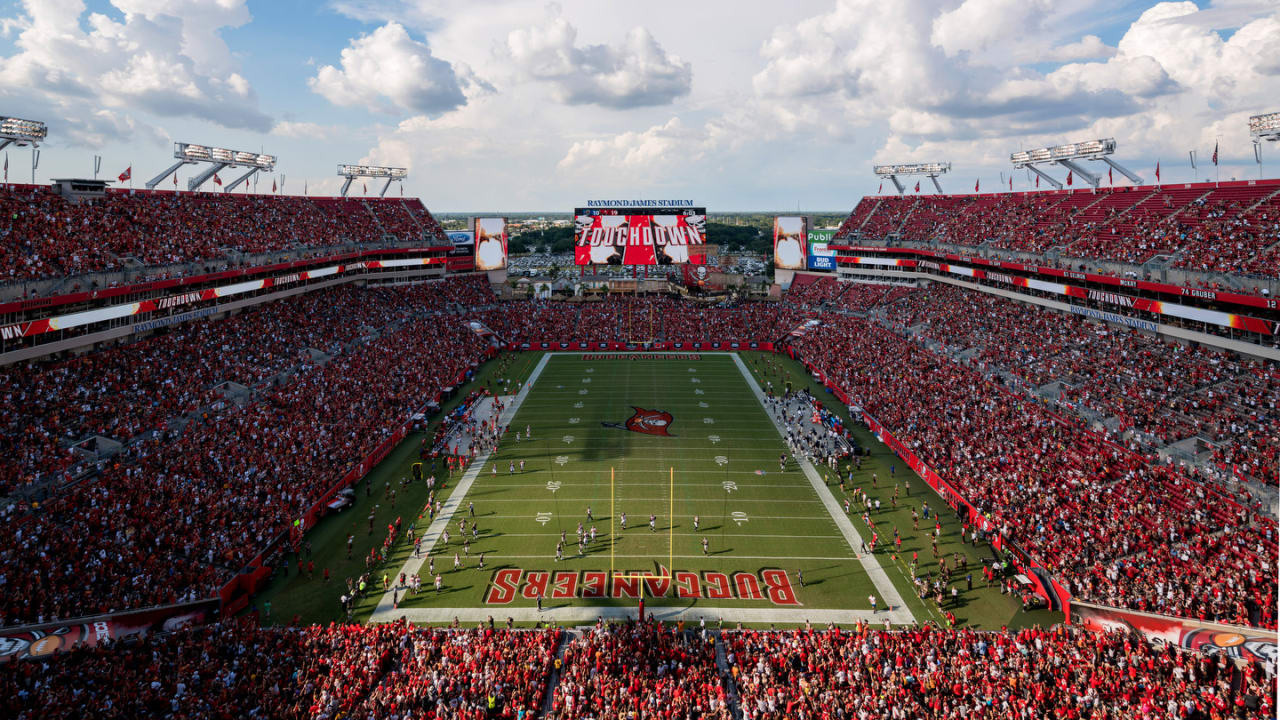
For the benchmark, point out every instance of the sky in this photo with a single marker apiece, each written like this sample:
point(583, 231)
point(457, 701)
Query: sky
point(502, 105)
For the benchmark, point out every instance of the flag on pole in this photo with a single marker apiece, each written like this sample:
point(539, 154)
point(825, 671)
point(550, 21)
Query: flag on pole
point(1110, 178)
point(365, 185)
point(1215, 154)
point(1010, 183)
point(217, 180)
point(1069, 177)
point(1037, 182)
point(878, 190)
point(1157, 171)
point(304, 187)
point(6, 167)
point(128, 173)
point(977, 184)
point(273, 185)
point(917, 186)
point(175, 181)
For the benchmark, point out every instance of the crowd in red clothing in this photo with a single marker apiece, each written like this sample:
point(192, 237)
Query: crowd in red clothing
point(1076, 503)
point(175, 517)
point(235, 669)
point(447, 674)
point(641, 319)
point(639, 669)
point(1034, 673)
point(1159, 392)
point(43, 235)
point(631, 670)
point(1218, 229)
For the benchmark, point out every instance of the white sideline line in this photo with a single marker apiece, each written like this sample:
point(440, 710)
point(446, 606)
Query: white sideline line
point(441, 523)
point(888, 592)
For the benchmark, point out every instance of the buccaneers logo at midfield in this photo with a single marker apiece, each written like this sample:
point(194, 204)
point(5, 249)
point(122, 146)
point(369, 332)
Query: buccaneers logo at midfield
point(649, 422)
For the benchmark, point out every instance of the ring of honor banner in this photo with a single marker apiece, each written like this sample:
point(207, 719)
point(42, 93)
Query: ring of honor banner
point(491, 243)
point(640, 236)
point(790, 242)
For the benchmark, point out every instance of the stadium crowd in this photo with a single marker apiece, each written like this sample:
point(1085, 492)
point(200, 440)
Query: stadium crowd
point(127, 390)
point(641, 319)
point(1075, 502)
point(1159, 392)
point(1216, 229)
point(176, 516)
point(43, 235)
point(639, 669)
point(1033, 673)
point(630, 670)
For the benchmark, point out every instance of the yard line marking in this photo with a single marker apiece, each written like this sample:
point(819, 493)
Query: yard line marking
point(697, 534)
point(598, 555)
point(441, 523)
point(718, 499)
point(888, 592)
point(599, 518)
point(587, 614)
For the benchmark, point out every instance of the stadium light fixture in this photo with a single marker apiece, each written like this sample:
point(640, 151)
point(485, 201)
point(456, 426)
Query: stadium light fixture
point(931, 170)
point(23, 133)
point(16, 131)
point(1069, 156)
point(1265, 127)
point(218, 159)
point(351, 172)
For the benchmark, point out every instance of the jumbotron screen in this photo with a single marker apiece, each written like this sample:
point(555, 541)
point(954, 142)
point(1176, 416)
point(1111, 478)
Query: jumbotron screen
point(640, 236)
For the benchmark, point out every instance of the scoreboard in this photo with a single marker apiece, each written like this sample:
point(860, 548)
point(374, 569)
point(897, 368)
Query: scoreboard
point(640, 236)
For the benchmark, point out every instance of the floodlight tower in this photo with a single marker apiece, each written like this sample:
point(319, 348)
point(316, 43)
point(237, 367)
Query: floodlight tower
point(1068, 156)
point(22, 133)
point(218, 159)
point(351, 172)
point(930, 170)
point(1263, 127)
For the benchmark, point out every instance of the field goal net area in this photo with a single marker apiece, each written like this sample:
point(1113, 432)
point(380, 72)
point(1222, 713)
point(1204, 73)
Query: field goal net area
point(660, 572)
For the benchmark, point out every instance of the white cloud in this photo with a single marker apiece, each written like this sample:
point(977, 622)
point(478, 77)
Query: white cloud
point(165, 57)
point(634, 72)
point(1087, 48)
point(303, 130)
point(933, 78)
point(976, 25)
point(391, 72)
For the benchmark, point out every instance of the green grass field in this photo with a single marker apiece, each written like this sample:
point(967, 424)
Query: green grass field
point(763, 527)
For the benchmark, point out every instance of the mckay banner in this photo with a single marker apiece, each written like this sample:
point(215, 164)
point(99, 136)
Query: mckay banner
point(1211, 639)
point(772, 585)
point(821, 256)
point(43, 641)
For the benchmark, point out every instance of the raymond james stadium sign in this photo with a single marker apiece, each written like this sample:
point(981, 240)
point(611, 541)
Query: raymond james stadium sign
point(639, 203)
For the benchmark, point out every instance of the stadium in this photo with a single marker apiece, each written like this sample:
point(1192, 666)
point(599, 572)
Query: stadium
point(1008, 452)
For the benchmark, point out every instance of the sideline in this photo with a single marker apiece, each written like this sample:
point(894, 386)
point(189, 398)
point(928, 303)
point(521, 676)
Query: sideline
point(386, 606)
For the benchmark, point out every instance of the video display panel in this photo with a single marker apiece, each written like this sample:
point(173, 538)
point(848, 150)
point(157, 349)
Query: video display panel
point(491, 243)
point(640, 236)
point(790, 242)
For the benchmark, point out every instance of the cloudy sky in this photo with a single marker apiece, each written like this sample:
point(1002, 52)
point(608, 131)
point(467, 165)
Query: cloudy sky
point(741, 104)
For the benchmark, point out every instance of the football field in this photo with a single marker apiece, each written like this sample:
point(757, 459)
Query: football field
point(655, 441)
